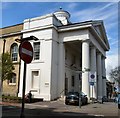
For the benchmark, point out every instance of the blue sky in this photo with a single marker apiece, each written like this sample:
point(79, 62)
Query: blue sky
point(15, 12)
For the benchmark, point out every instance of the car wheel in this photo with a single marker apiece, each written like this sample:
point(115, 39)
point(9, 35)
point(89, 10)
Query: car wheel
point(118, 106)
point(86, 101)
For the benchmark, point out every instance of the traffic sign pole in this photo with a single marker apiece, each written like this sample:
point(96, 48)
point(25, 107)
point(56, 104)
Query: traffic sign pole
point(23, 92)
point(26, 54)
point(92, 94)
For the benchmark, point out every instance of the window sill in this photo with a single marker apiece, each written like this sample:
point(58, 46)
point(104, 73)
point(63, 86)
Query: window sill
point(12, 84)
point(15, 62)
point(37, 61)
point(34, 90)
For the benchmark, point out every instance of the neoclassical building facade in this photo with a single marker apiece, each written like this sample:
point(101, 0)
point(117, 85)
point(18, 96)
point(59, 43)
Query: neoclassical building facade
point(65, 57)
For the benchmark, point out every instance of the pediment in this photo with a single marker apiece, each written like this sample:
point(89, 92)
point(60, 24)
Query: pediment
point(99, 27)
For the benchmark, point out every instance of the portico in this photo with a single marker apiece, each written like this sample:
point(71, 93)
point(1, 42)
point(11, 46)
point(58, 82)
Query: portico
point(92, 61)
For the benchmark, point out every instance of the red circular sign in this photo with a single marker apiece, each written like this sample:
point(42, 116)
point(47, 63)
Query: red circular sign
point(26, 51)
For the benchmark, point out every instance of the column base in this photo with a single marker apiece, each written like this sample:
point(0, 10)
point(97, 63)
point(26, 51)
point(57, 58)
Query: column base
point(100, 100)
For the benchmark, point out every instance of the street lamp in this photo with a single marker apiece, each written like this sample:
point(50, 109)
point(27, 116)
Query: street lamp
point(26, 39)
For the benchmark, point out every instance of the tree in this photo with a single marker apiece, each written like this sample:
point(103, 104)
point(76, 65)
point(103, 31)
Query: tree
point(115, 74)
point(7, 66)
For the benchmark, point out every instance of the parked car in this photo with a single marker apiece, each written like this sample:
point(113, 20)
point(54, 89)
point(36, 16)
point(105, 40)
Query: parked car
point(73, 98)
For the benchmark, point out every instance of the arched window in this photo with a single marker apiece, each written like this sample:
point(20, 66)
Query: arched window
point(12, 81)
point(14, 52)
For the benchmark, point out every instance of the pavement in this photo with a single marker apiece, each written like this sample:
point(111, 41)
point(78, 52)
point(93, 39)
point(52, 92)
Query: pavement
point(53, 108)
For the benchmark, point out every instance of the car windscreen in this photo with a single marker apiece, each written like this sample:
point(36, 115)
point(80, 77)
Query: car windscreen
point(73, 93)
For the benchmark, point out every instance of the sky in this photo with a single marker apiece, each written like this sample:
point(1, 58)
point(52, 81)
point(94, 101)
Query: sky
point(16, 12)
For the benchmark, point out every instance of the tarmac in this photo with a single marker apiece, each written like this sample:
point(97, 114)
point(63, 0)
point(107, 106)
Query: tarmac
point(107, 109)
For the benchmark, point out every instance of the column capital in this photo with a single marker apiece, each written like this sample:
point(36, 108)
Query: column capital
point(99, 53)
point(103, 57)
point(86, 40)
point(93, 47)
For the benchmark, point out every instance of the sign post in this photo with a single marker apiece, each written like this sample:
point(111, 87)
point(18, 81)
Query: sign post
point(26, 54)
point(92, 82)
point(80, 79)
point(23, 91)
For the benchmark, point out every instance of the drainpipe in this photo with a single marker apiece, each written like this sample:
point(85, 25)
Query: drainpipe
point(4, 46)
point(19, 72)
point(3, 55)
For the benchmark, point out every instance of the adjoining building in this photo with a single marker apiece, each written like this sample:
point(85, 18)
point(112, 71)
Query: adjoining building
point(7, 40)
point(66, 57)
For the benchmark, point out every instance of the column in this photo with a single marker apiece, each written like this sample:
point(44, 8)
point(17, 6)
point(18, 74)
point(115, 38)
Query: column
point(61, 70)
point(99, 75)
point(93, 89)
point(85, 67)
point(103, 76)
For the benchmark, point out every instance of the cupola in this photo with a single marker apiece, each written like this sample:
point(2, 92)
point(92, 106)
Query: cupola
point(63, 16)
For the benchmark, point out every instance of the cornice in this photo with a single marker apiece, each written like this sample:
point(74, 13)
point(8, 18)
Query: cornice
point(38, 18)
point(39, 28)
point(10, 34)
point(100, 39)
point(73, 27)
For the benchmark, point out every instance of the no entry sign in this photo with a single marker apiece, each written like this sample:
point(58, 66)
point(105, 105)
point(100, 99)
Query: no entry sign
point(26, 51)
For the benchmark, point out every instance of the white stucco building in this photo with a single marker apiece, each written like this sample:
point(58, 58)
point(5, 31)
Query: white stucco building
point(63, 50)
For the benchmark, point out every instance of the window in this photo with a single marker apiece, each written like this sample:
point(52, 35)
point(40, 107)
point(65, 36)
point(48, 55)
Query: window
point(36, 50)
point(35, 80)
point(14, 52)
point(12, 81)
point(73, 81)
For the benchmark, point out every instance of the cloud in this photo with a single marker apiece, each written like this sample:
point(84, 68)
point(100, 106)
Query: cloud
point(72, 5)
point(114, 43)
point(107, 6)
point(107, 12)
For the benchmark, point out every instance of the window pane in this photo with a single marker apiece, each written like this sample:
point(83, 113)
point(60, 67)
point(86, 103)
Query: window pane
point(14, 52)
point(36, 50)
point(13, 79)
point(14, 56)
